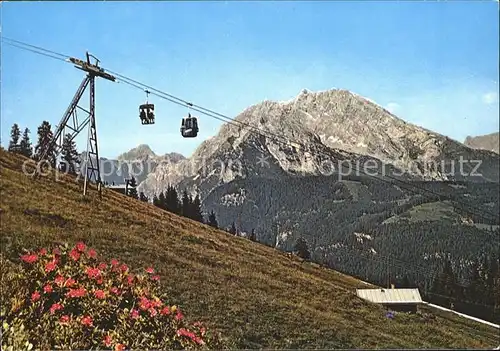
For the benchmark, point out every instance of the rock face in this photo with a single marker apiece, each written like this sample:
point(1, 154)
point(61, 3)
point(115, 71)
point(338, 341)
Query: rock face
point(490, 142)
point(142, 152)
point(313, 131)
point(138, 162)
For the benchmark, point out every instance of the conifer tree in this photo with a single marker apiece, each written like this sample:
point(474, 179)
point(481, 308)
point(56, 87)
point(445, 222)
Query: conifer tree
point(15, 133)
point(186, 204)
point(162, 201)
point(156, 201)
point(132, 188)
point(143, 197)
point(69, 154)
point(405, 282)
point(445, 283)
point(232, 230)
point(172, 200)
point(477, 290)
point(302, 249)
point(495, 290)
point(26, 147)
point(253, 236)
point(489, 281)
point(212, 220)
point(45, 136)
point(196, 209)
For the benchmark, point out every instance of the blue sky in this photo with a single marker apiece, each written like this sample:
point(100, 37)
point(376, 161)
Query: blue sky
point(434, 64)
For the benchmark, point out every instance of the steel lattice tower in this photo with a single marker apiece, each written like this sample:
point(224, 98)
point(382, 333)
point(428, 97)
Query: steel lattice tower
point(72, 125)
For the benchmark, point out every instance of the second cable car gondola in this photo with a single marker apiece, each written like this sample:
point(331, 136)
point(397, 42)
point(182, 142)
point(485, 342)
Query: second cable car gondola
point(189, 127)
point(147, 112)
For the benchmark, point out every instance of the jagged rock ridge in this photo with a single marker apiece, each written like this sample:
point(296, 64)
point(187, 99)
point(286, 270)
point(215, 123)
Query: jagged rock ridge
point(302, 132)
point(141, 152)
point(490, 142)
point(138, 162)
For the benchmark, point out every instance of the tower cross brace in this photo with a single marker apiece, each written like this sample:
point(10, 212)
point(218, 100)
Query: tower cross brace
point(71, 125)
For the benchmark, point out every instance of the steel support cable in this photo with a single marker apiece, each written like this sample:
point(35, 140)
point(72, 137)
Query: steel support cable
point(276, 137)
point(35, 47)
point(36, 52)
point(197, 108)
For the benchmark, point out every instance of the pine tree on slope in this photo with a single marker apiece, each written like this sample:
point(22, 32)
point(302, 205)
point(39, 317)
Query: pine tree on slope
point(232, 230)
point(15, 133)
point(45, 136)
point(212, 220)
point(143, 197)
point(172, 200)
point(26, 147)
point(69, 154)
point(186, 204)
point(156, 201)
point(132, 188)
point(161, 201)
point(196, 209)
point(302, 249)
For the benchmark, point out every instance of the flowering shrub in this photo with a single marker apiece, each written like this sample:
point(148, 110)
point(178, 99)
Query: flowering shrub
point(65, 298)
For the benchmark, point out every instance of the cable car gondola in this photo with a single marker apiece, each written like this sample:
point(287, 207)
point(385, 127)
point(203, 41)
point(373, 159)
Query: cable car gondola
point(189, 127)
point(147, 112)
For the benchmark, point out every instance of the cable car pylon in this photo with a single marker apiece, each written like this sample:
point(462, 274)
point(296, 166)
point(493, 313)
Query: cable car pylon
point(70, 124)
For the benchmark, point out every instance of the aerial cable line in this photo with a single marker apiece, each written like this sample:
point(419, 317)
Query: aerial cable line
point(36, 52)
point(224, 118)
point(227, 119)
point(194, 107)
point(288, 141)
point(34, 47)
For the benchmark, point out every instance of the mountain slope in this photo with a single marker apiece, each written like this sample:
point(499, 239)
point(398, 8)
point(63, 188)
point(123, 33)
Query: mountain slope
point(252, 293)
point(262, 182)
point(315, 128)
point(138, 162)
point(297, 184)
point(141, 152)
point(347, 222)
point(490, 142)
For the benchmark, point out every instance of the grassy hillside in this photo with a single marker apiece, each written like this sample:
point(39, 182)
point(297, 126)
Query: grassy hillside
point(431, 211)
point(254, 295)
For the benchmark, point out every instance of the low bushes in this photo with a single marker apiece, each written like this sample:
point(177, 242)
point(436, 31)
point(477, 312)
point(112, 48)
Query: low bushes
point(64, 298)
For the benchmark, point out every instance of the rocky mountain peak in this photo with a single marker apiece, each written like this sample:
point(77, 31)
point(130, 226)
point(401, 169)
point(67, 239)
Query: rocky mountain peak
point(173, 157)
point(141, 152)
point(490, 142)
point(297, 134)
point(339, 118)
